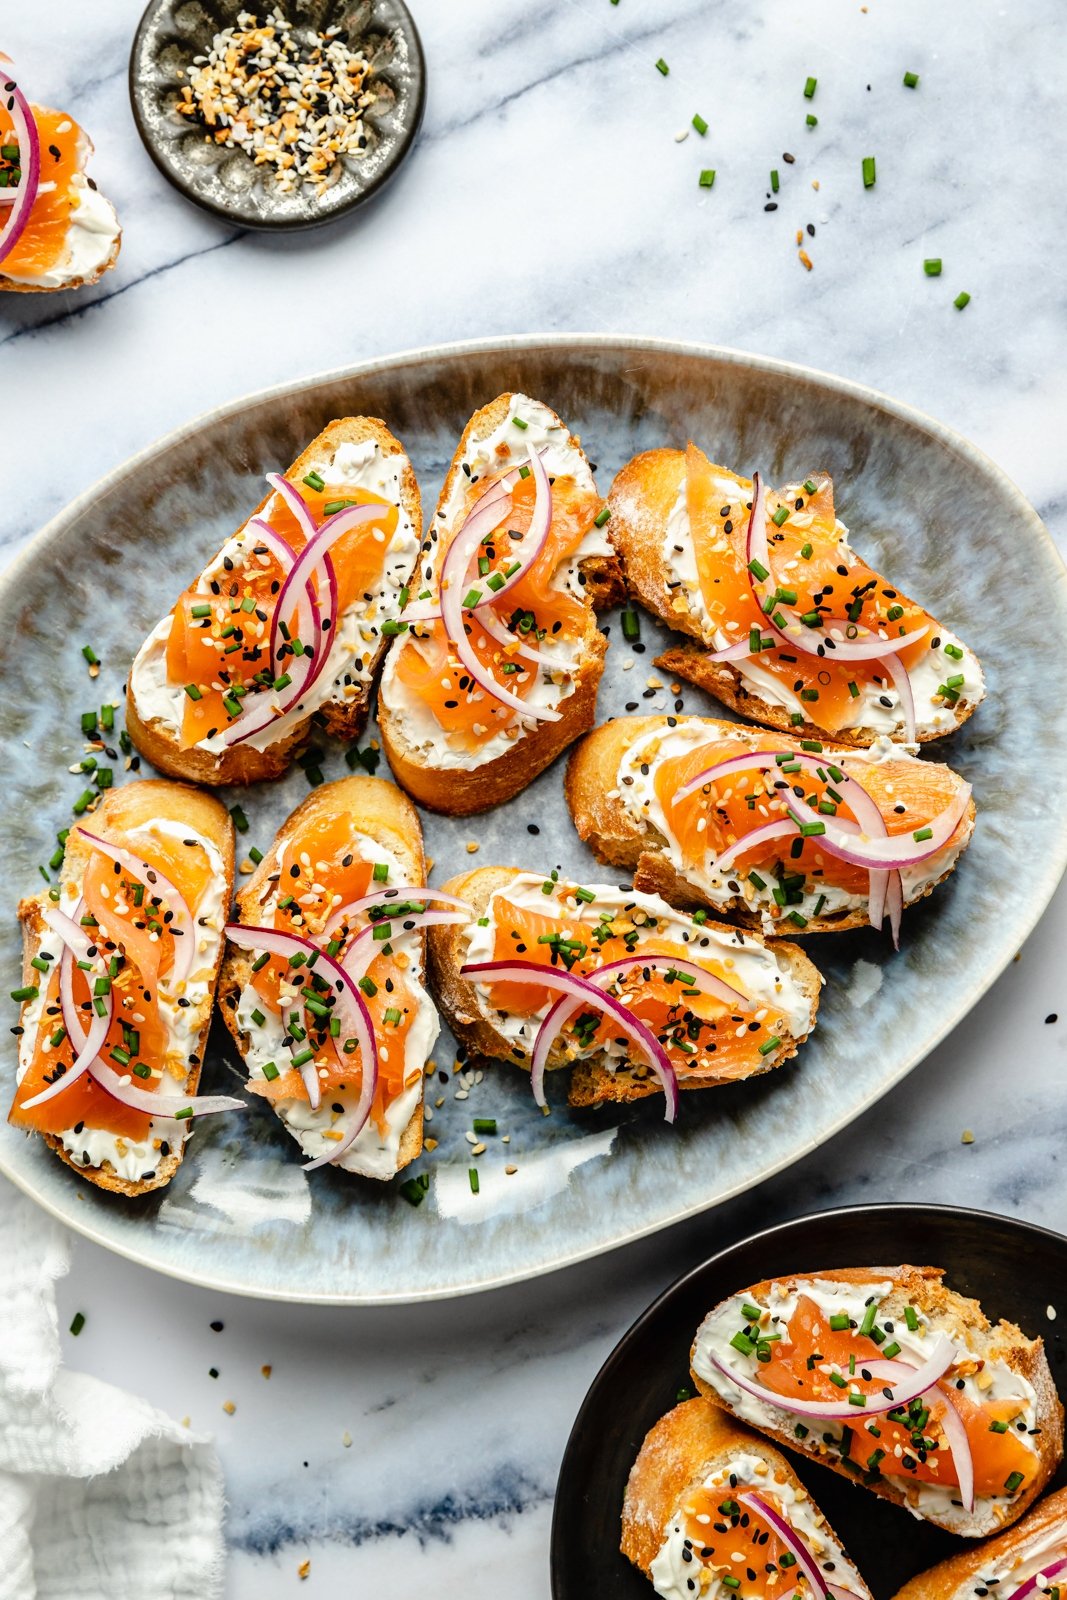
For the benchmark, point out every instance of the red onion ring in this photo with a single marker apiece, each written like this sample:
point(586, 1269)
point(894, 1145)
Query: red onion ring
point(350, 1001)
point(489, 972)
point(563, 1009)
point(400, 892)
point(1057, 1569)
point(458, 557)
point(496, 629)
point(919, 1381)
point(836, 835)
point(792, 1540)
point(309, 1073)
point(361, 952)
point(182, 925)
point(89, 1044)
point(770, 831)
point(951, 1423)
point(24, 127)
point(285, 555)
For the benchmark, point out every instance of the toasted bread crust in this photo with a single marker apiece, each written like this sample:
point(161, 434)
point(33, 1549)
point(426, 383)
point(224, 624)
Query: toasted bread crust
point(678, 1454)
point(953, 1579)
point(122, 810)
point(620, 840)
point(385, 815)
point(640, 506)
point(923, 1288)
point(344, 718)
point(460, 792)
point(591, 1082)
point(15, 286)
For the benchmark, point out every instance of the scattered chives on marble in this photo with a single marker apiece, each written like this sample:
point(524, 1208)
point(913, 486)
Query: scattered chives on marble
point(932, 266)
point(961, 300)
point(911, 80)
point(868, 172)
point(707, 178)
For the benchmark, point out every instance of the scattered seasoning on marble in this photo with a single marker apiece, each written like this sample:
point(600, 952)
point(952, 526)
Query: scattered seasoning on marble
point(472, 847)
point(229, 1407)
point(966, 1137)
point(473, 1179)
point(707, 181)
point(869, 172)
point(346, 1439)
point(511, 1170)
point(217, 1327)
point(290, 97)
point(78, 1323)
point(805, 260)
point(266, 1370)
point(961, 300)
point(212, 1372)
point(1053, 1016)
point(661, 66)
point(911, 80)
point(303, 1569)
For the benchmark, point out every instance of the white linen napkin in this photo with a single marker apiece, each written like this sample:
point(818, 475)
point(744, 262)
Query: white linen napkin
point(101, 1496)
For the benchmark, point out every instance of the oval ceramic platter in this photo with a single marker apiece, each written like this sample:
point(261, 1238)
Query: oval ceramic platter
point(920, 501)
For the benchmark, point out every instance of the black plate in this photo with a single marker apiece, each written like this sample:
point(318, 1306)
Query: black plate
point(1013, 1268)
point(226, 182)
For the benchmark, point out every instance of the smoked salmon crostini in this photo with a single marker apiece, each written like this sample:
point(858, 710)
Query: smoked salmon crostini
point(888, 1376)
point(790, 836)
point(56, 229)
point(323, 985)
point(636, 997)
point(712, 1511)
point(118, 984)
point(289, 620)
point(498, 662)
point(1027, 1562)
point(786, 624)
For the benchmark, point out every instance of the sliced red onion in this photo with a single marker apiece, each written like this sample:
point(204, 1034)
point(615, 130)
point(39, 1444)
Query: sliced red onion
point(310, 1074)
point(770, 831)
point(902, 684)
point(788, 1536)
point(497, 630)
point(182, 924)
point(453, 590)
point(902, 1393)
point(1057, 1569)
point(295, 501)
point(570, 983)
point(401, 893)
point(87, 1052)
point(539, 529)
point(883, 854)
point(894, 903)
point(356, 1018)
point(563, 1009)
point(24, 127)
point(285, 555)
point(951, 1422)
point(361, 952)
point(89, 1044)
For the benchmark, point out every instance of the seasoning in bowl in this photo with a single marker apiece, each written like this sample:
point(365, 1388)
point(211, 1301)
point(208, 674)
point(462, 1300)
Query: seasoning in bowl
point(290, 97)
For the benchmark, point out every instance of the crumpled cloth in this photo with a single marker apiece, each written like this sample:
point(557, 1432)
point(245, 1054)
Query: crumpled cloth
point(102, 1497)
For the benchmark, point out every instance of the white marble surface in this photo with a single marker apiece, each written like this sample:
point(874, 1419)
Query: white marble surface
point(555, 119)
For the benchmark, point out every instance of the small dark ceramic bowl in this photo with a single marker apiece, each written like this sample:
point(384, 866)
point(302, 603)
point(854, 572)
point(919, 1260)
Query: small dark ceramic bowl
point(226, 182)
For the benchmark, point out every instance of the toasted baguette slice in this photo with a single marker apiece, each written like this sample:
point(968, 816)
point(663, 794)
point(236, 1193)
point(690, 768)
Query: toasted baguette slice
point(460, 771)
point(368, 819)
point(997, 1373)
point(124, 1165)
point(1036, 1544)
point(93, 238)
point(695, 1460)
point(352, 453)
point(617, 777)
point(783, 977)
point(652, 501)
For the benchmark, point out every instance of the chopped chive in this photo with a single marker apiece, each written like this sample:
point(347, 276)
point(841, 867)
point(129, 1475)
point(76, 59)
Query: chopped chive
point(808, 486)
point(313, 481)
point(270, 1071)
point(254, 855)
point(471, 598)
point(954, 651)
point(88, 723)
point(517, 422)
point(812, 122)
point(283, 682)
point(756, 881)
point(104, 776)
point(369, 987)
point(811, 744)
point(774, 180)
point(413, 1191)
point(758, 570)
point(742, 1342)
point(699, 124)
point(780, 516)
point(857, 1399)
point(631, 625)
point(90, 655)
point(107, 718)
point(333, 506)
point(586, 896)
point(809, 88)
point(661, 66)
point(29, 991)
point(602, 517)
point(485, 1124)
point(261, 961)
point(932, 266)
point(805, 551)
point(750, 1312)
point(769, 1044)
point(700, 917)
point(911, 1318)
point(472, 1176)
point(193, 692)
point(961, 300)
point(998, 1427)
point(83, 802)
point(890, 1350)
point(524, 471)
point(240, 821)
point(839, 1322)
point(922, 833)
point(812, 830)
point(868, 172)
point(392, 1016)
point(78, 1324)
point(258, 1017)
point(1012, 1482)
point(911, 80)
point(141, 1069)
point(381, 872)
point(707, 178)
point(302, 1059)
point(809, 694)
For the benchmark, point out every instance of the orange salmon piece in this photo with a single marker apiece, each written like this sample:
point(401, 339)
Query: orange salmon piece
point(43, 242)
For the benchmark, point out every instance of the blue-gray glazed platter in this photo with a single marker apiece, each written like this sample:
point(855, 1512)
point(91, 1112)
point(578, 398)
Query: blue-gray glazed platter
point(921, 503)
